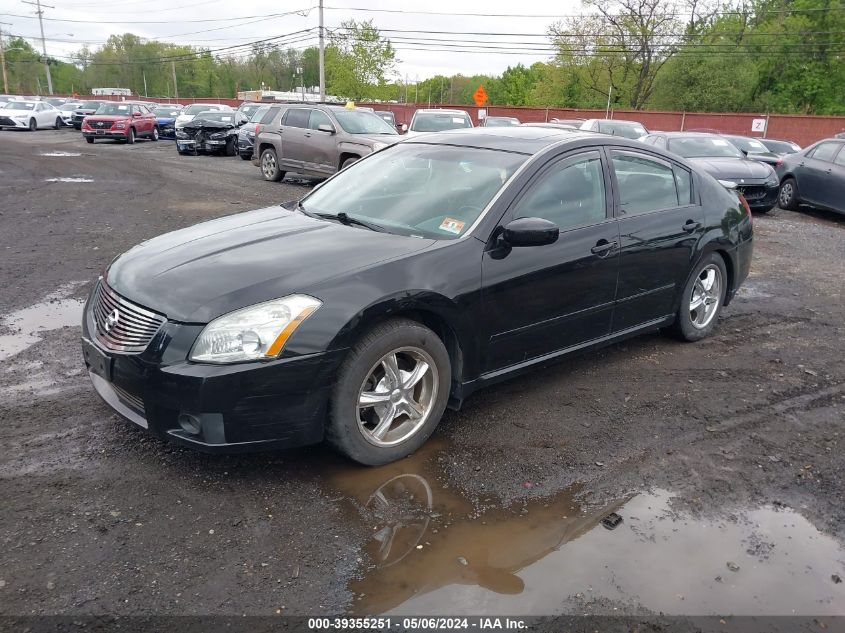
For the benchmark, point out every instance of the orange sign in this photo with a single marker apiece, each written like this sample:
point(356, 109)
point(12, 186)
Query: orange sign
point(480, 96)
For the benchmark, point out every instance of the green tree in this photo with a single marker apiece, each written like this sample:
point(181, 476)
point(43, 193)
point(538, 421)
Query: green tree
point(358, 61)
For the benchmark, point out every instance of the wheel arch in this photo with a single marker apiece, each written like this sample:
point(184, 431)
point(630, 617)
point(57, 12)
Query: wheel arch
point(345, 155)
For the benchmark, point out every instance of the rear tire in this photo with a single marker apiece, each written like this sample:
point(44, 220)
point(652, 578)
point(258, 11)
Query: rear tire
point(231, 150)
point(384, 429)
point(58, 124)
point(788, 194)
point(130, 136)
point(707, 287)
point(270, 166)
point(246, 157)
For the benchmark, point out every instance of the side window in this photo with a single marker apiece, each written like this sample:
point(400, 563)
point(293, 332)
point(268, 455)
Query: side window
point(683, 181)
point(825, 152)
point(269, 116)
point(645, 184)
point(297, 117)
point(570, 193)
point(39, 107)
point(840, 158)
point(318, 118)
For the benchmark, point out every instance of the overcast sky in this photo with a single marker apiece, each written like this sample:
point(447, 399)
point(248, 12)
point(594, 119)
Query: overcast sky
point(178, 22)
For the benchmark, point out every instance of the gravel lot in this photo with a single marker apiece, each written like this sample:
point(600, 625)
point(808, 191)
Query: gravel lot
point(723, 458)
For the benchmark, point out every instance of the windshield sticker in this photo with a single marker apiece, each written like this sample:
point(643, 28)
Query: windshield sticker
point(457, 119)
point(452, 225)
point(225, 118)
point(720, 142)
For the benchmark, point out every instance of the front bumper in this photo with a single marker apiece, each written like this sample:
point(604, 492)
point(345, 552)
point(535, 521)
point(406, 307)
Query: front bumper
point(167, 131)
point(760, 197)
point(223, 408)
point(210, 146)
point(114, 134)
point(246, 145)
point(10, 122)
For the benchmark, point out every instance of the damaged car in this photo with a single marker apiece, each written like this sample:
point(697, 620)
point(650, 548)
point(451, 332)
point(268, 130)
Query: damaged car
point(210, 132)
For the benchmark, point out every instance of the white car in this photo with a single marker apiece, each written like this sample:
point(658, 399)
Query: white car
point(66, 112)
point(30, 114)
point(194, 109)
point(437, 120)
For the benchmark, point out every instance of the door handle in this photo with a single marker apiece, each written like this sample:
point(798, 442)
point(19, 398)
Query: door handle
point(308, 135)
point(691, 226)
point(603, 247)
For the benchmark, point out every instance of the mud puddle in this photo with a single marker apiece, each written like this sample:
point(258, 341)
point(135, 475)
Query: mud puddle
point(55, 311)
point(60, 154)
point(434, 551)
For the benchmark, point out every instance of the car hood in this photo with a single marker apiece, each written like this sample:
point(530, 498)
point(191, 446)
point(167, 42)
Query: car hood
point(733, 168)
point(108, 117)
point(11, 112)
point(205, 124)
point(165, 120)
point(85, 110)
point(201, 272)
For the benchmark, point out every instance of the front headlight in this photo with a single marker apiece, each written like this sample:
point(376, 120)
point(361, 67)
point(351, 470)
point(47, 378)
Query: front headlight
point(253, 333)
point(120, 125)
point(21, 116)
point(217, 135)
point(182, 134)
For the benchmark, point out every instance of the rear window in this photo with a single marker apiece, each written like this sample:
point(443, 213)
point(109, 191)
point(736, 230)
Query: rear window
point(268, 116)
point(439, 122)
point(620, 128)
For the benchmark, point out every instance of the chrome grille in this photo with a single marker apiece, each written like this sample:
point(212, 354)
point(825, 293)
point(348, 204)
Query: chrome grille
point(121, 325)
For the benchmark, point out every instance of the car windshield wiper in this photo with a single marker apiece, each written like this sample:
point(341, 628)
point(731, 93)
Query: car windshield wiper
point(349, 220)
point(305, 211)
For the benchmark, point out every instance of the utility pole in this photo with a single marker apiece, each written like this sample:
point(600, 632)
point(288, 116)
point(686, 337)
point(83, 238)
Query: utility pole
point(144, 72)
point(40, 13)
point(3, 61)
point(175, 85)
point(322, 56)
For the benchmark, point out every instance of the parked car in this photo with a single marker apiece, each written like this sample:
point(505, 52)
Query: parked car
point(756, 181)
point(166, 119)
point(499, 121)
point(189, 112)
point(437, 120)
point(318, 140)
point(247, 132)
point(815, 176)
point(54, 101)
point(576, 123)
point(551, 125)
point(212, 132)
point(779, 147)
point(121, 121)
point(32, 115)
point(332, 317)
point(67, 109)
point(753, 148)
point(615, 127)
point(388, 117)
point(85, 109)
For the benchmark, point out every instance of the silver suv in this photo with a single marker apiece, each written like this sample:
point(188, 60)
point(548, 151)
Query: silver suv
point(318, 140)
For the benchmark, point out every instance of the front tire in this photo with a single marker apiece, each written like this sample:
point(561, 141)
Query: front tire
point(58, 124)
point(246, 157)
point(155, 134)
point(702, 299)
point(788, 195)
point(130, 136)
point(231, 150)
point(89, 139)
point(33, 125)
point(270, 166)
point(348, 162)
point(390, 393)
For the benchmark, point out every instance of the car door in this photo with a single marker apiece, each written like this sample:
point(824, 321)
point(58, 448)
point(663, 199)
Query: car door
point(542, 299)
point(42, 115)
point(814, 173)
point(660, 223)
point(834, 190)
point(148, 118)
point(321, 150)
point(294, 142)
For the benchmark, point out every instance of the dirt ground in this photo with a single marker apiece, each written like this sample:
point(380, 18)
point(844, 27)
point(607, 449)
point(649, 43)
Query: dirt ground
point(719, 456)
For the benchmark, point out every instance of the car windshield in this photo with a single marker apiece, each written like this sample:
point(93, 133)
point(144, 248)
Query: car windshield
point(118, 109)
point(622, 128)
point(164, 113)
point(782, 147)
point(439, 121)
point(196, 108)
point(20, 105)
point(750, 145)
point(387, 117)
point(260, 112)
point(500, 121)
point(89, 105)
point(68, 107)
point(362, 122)
point(434, 191)
point(249, 110)
point(703, 146)
point(214, 115)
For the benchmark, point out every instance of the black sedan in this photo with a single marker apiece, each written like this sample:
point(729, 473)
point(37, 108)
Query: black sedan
point(754, 148)
point(212, 132)
point(815, 176)
point(755, 180)
point(406, 282)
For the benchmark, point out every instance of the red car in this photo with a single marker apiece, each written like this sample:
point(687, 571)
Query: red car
point(120, 120)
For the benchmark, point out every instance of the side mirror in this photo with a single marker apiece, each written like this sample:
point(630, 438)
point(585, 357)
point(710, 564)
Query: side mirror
point(404, 127)
point(325, 127)
point(744, 152)
point(530, 232)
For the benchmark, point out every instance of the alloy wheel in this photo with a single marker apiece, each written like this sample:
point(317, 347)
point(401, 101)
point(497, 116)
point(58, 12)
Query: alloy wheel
point(786, 193)
point(706, 295)
point(268, 165)
point(397, 396)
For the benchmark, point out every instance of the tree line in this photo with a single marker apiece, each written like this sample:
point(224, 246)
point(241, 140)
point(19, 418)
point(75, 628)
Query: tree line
point(695, 55)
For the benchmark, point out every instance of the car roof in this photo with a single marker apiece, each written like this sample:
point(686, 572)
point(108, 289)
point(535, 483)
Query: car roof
point(440, 111)
point(526, 140)
point(617, 121)
point(691, 134)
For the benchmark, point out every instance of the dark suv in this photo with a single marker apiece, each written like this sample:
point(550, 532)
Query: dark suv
point(246, 135)
point(87, 108)
point(318, 140)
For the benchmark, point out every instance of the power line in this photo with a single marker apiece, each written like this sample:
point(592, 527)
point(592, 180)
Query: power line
point(302, 12)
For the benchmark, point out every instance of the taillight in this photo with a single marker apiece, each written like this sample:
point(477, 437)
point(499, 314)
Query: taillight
point(257, 128)
point(747, 208)
point(779, 163)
